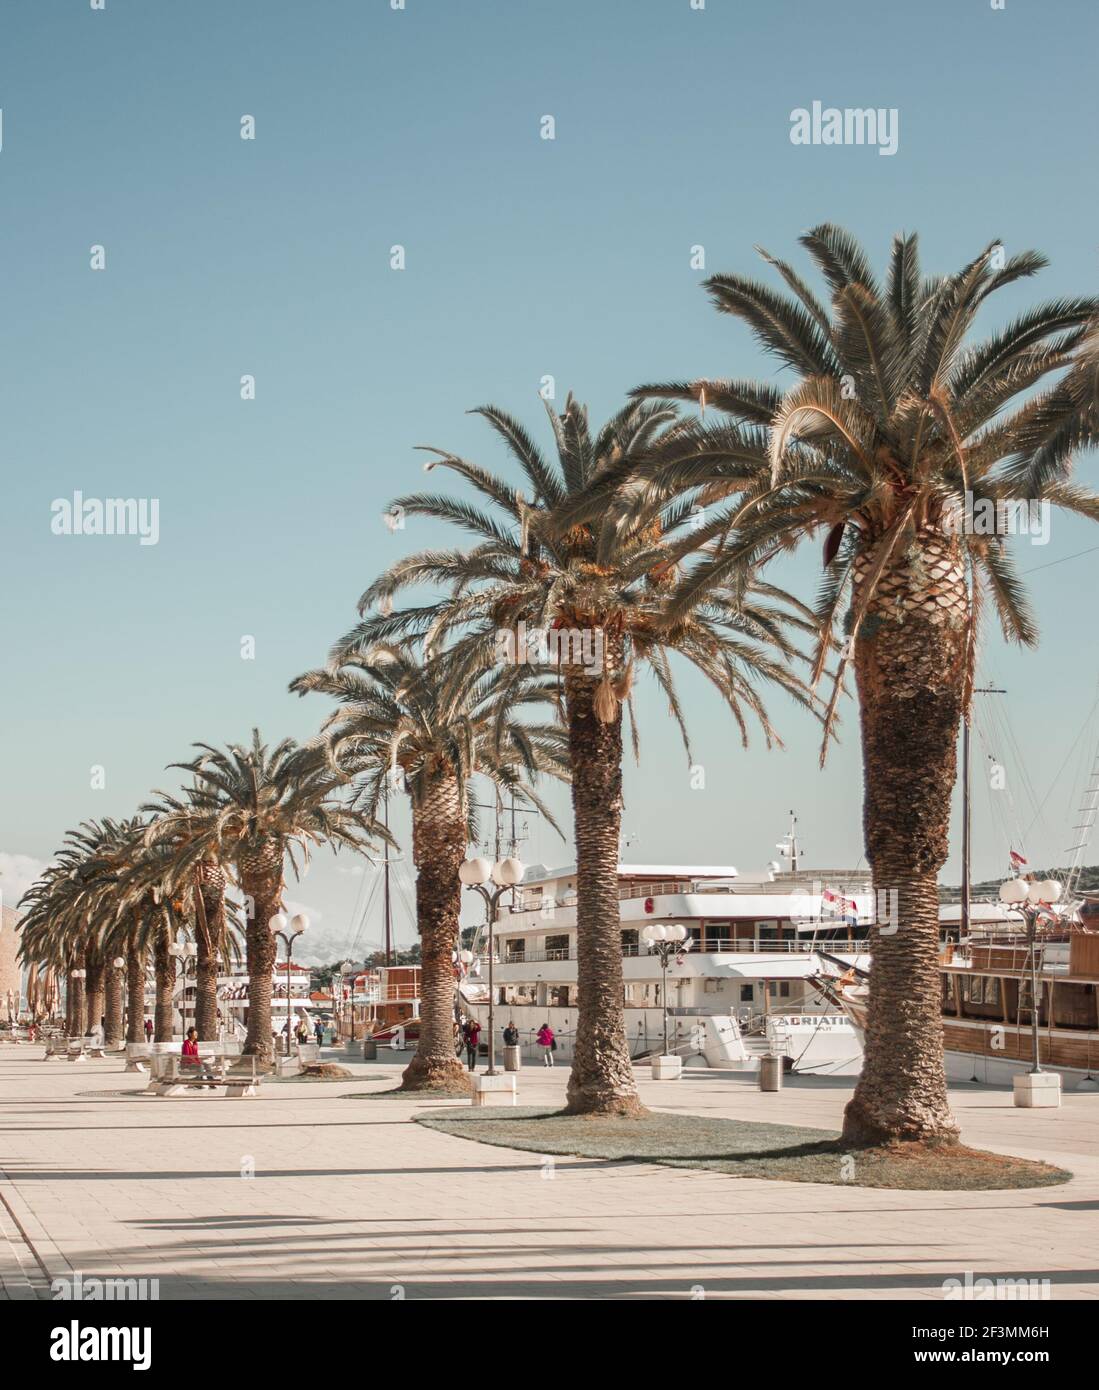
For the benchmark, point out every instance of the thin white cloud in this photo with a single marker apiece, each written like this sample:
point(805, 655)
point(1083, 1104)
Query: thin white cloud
point(17, 873)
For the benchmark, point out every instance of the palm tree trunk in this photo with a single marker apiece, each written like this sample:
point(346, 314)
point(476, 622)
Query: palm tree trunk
point(209, 934)
point(135, 994)
point(164, 968)
point(601, 1081)
point(261, 881)
point(910, 665)
point(93, 992)
point(439, 834)
point(113, 1030)
point(75, 1008)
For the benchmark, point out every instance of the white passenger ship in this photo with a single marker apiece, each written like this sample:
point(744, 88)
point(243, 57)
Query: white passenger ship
point(740, 989)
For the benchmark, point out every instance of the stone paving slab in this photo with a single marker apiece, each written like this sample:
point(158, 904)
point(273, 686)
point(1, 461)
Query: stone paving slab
point(301, 1193)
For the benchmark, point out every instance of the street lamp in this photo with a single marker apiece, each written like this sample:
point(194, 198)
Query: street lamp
point(345, 967)
point(185, 954)
point(1030, 899)
point(667, 941)
point(476, 874)
point(288, 932)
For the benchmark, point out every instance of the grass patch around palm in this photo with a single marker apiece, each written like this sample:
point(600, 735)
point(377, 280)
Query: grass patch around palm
point(746, 1149)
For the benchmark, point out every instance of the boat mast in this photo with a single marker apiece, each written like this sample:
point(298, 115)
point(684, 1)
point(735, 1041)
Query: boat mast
point(967, 811)
point(387, 897)
point(1088, 809)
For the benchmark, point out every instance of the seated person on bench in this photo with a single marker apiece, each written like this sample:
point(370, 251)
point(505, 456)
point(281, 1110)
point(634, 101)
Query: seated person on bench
point(192, 1066)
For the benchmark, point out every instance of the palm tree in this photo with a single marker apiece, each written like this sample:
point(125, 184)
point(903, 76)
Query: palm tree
point(184, 864)
point(896, 436)
point(425, 727)
point(256, 806)
point(70, 920)
point(588, 575)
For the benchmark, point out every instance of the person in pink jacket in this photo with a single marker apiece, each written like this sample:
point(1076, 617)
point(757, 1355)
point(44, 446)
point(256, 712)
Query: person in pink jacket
point(547, 1042)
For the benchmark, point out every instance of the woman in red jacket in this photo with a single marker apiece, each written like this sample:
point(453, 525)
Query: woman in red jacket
point(472, 1033)
point(191, 1063)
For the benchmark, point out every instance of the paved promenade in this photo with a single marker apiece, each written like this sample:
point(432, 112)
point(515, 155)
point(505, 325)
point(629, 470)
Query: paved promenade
point(301, 1193)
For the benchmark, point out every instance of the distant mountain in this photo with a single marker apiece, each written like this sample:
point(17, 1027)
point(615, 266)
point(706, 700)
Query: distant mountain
point(1089, 883)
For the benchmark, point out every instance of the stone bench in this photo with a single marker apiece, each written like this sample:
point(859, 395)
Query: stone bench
point(174, 1078)
point(236, 1087)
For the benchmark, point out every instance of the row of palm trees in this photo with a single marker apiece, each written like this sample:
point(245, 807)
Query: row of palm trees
point(653, 536)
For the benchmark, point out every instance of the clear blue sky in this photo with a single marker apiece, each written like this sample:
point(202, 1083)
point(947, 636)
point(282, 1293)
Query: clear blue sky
point(525, 257)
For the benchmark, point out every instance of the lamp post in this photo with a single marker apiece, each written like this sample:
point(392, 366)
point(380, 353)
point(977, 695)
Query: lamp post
point(476, 874)
point(288, 932)
point(667, 941)
point(350, 988)
point(1030, 899)
point(185, 954)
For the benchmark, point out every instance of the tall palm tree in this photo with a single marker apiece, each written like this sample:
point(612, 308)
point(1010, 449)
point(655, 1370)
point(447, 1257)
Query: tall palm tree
point(70, 920)
point(579, 565)
point(426, 727)
point(896, 439)
point(182, 861)
point(258, 806)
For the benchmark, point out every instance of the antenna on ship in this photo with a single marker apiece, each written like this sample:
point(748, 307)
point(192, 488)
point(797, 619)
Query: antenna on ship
point(789, 848)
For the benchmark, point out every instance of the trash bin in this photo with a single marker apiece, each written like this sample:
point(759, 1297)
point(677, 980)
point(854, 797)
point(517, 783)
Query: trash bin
point(370, 1050)
point(513, 1058)
point(770, 1073)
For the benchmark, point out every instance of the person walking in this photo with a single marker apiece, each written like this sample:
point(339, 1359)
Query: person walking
point(318, 1032)
point(148, 1030)
point(473, 1038)
point(548, 1043)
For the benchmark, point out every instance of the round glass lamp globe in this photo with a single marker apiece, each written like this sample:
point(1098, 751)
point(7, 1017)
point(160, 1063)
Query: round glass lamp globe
point(299, 922)
point(508, 872)
point(474, 871)
point(279, 922)
point(1013, 891)
point(118, 962)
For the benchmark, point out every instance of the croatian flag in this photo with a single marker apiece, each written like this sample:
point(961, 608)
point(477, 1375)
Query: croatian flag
point(1017, 860)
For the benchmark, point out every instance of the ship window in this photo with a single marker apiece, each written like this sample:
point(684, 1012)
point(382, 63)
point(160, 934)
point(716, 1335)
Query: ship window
point(557, 948)
point(516, 948)
point(1073, 1005)
point(981, 997)
point(948, 995)
point(747, 993)
point(630, 942)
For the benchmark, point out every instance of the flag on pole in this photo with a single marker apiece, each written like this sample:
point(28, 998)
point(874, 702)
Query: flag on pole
point(1017, 860)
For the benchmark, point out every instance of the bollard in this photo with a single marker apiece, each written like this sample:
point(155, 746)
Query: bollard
point(513, 1058)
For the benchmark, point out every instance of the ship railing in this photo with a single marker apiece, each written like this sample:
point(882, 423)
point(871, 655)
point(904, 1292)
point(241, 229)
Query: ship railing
point(801, 947)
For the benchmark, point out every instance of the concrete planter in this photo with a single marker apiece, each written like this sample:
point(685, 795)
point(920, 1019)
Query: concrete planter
point(494, 1090)
point(1038, 1090)
point(667, 1068)
point(137, 1057)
